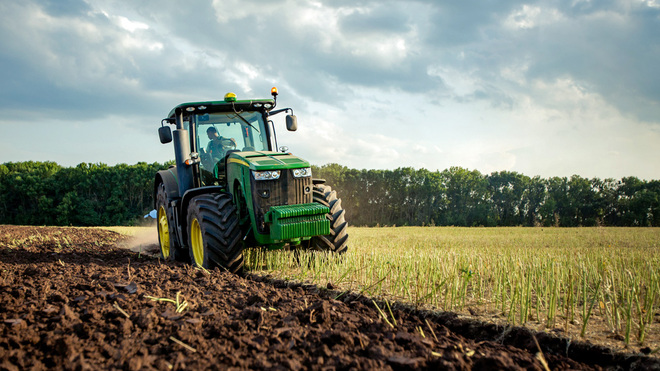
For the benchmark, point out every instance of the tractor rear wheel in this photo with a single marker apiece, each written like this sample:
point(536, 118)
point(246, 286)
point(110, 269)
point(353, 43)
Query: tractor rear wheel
point(337, 240)
point(169, 247)
point(214, 232)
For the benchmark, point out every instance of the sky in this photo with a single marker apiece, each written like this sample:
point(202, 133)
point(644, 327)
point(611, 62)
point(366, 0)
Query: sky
point(548, 88)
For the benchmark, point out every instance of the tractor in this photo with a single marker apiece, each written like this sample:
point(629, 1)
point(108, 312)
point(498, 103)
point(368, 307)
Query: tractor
point(231, 188)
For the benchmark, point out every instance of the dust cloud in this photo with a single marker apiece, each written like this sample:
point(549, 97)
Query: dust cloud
point(144, 241)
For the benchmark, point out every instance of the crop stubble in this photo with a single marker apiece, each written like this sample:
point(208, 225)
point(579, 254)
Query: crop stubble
point(595, 284)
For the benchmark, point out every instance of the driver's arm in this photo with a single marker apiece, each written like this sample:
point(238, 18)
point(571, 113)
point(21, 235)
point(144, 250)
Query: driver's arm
point(228, 142)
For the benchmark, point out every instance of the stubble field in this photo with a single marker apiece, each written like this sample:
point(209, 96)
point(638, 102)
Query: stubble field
point(595, 284)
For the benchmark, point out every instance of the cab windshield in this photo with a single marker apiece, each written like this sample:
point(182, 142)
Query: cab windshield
point(218, 133)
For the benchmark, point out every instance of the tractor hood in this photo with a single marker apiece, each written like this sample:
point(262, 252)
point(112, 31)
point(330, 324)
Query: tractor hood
point(266, 160)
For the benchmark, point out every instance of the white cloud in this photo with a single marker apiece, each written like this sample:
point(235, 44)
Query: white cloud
point(227, 11)
point(527, 17)
point(130, 26)
point(461, 81)
point(651, 3)
point(515, 72)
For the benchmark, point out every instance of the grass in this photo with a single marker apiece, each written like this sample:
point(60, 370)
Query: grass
point(556, 277)
point(179, 302)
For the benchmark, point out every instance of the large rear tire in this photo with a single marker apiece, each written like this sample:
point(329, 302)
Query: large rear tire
point(214, 232)
point(169, 247)
point(337, 240)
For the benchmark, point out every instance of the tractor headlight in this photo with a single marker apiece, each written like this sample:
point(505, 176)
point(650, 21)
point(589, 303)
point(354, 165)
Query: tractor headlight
point(305, 171)
point(266, 175)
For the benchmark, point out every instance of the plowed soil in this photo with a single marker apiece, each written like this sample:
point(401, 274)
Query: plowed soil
point(71, 299)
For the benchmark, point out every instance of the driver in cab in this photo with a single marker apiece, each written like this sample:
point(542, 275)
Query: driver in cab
point(218, 145)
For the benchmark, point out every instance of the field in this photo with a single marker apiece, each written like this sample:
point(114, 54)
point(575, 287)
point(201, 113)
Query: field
point(596, 284)
point(77, 298)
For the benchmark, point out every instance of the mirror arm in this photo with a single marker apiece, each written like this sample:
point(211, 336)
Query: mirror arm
point(271, 113)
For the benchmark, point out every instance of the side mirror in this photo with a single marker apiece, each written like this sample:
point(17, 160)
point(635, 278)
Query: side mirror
point(291, 123)
point(165, 134)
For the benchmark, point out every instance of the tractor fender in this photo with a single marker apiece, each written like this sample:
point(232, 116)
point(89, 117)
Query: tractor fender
point(185, 201)
point(169, 179)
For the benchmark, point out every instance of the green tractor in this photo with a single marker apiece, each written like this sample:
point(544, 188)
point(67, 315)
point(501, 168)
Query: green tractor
point(230, 189)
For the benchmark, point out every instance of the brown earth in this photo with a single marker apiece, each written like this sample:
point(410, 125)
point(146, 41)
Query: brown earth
point(71, 299)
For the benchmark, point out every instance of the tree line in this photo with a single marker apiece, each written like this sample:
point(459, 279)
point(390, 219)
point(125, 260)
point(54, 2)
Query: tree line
point(462, 197)
point(45, 193)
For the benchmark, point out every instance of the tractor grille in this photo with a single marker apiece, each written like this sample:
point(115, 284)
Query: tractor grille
point(287, 190)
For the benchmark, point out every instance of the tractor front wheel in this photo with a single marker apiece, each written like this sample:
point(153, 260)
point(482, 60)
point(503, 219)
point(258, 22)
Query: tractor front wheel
point(214, 232)
point(337, 240)
point(169, 247)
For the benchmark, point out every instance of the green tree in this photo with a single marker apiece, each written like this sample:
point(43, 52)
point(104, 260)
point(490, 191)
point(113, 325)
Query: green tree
point(468, 200)
point(534, 199)
point(507, 191)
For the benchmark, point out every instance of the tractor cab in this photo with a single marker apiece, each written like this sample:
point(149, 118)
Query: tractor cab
point(222, 133)
point(215, 129)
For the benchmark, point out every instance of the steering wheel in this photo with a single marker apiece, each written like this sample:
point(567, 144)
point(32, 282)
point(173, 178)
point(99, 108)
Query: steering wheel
point(226, 143)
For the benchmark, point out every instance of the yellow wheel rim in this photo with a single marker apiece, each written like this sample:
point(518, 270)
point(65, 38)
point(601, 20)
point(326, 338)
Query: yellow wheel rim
point(197, 242)
point(163, 232)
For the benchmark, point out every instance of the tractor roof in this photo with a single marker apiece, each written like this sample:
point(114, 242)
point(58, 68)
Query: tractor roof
point(224, 106)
